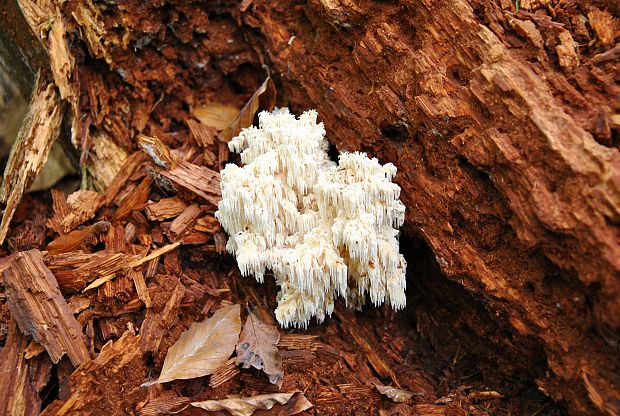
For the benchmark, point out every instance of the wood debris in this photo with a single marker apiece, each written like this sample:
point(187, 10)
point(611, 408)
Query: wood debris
point(19, 396)
point(167, 403)
point(165, 208)
point(36, 136)
point(224, 373)
point(156, 323)
point(184, 222)
point(40, 309)
point(93, 377)
point(138, 246)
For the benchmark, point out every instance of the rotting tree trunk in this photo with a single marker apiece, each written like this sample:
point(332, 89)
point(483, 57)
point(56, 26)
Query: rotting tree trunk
point(506, 159)
point(504, 132)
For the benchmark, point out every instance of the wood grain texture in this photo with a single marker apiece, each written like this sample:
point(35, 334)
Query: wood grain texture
point(19, 396)
point(36, 136)
point(502, 170)
point(40, 309)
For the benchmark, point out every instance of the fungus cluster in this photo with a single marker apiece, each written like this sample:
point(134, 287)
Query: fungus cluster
point(323, 229)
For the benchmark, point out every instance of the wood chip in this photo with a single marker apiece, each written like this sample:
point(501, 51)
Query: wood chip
point(74, 270)
point(199, 180)
point(165, 208)
point(128, 168)
point(134, 201)
point(40, 309)
point(224, 373)
point(84, 204)
point(374, 358)
point(299, 342)
point(604, 25)
point(37, 134)
point(140, 285)
point(167, 403)
point(87, 379)
point(155, 254)
point(157, 151)
point(19, 396)
point(183, 223)
point(203, 134)
point(155, 323)
point(61, 209)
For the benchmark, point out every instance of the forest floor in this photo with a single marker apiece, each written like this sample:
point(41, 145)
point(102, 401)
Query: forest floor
point(98, 286)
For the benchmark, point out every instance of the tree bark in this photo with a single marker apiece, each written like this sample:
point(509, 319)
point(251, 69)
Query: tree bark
point(503, 124)
point(505, 170)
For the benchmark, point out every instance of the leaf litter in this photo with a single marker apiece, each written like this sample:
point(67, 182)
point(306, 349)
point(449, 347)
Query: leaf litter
point(257, 348)
point(203, 348)
point(283, 404)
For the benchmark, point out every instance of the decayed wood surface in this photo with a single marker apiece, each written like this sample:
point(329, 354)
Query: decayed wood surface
point(40, 310)
point(19, 396)
point(503, 173)
point(503, 125)
point(36, 136)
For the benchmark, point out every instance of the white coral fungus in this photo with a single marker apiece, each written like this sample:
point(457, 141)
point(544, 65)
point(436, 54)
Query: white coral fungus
point(323, 229)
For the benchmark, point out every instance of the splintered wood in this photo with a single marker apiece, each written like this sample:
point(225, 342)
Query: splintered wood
point(19, 396)
point(183, 176)
point(104, 373)
point(40, 309)
point(36, 136)
point(165, 208)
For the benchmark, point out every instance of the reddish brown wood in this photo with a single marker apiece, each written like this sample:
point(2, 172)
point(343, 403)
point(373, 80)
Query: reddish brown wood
point(19, 396)
point(40, 310)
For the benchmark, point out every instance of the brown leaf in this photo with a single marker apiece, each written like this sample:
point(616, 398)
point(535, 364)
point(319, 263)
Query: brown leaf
point(264, 97)
point(257, 348)
point(203, 347)
point(397, 395)
point(216, 115)
point(74, 239)
point(282, 404)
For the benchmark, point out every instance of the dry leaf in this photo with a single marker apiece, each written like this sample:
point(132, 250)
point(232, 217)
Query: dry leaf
point(216, 115)
point(283, 404)
point(264, 97)
point(74, 239)
point(257, 348)
point(203, 347)
point(397, 395)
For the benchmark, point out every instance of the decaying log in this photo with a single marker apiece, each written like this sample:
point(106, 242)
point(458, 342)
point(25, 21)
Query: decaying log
point(36, 136)
point(40, 309)
point(503, 124)
point(501, 175)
